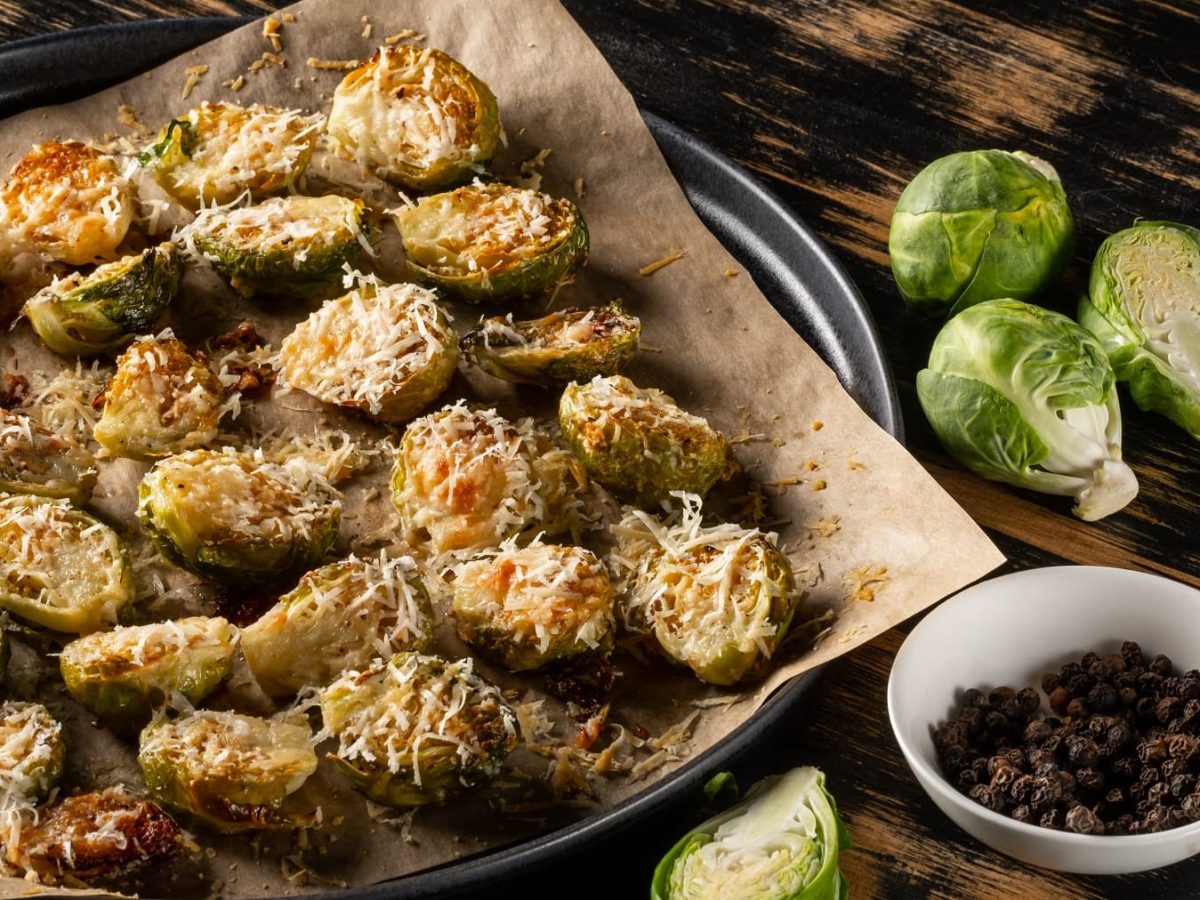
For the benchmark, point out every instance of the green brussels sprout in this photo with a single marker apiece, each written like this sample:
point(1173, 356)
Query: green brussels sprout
point(717, 599)
point(284, 246)
point(33, 753)
point(387, 350)
point(638, 443)
point(1023, 395)
point(417, 728)
point(86, 315)
point(162, 400)
point(124, 674)
point(220, 151)
point(468, 479)
point(60, 568)
point(35, 460)
point(231, 772)
point(416, 117)
point(1144, 307)
point(340, 617)
point(492, 241)
point(980, 225)
point(781, 842)
point(527, 607)
point(572, 345)
point(235, 516)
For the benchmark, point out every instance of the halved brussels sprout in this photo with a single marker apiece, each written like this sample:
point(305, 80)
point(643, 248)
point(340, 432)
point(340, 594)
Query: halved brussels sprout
point(282, 246)
point(86, 315)
point(717, 599)
point(59, 567)
point(385, 349)
point(35, 460)
point(528, 607)
point(163, 399)
point(412, 730)
point(124, 674)
point(232, 772)
point(468, 479)
point(638, 443)
point(66, 201)
point(340, 617)
point(571, 345)
point(233, 515)
point(220, 151)
point(416, 117)
point(492, 241)
point(33, 752)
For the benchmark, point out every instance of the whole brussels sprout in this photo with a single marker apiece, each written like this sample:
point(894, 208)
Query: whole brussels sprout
point(492, 241)
point(33, 752)
point(124, 674)
point(571, 345)
point(1020, 394)
point(86, 315)
point(638, 443)
point(417, 728)
point(980, 225)
point(35, 460)
point(59, 567)
point(231, 772)
point(1144, 307)
point(416, 117)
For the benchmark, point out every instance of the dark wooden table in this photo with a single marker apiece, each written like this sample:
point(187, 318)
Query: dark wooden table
point(836, 105)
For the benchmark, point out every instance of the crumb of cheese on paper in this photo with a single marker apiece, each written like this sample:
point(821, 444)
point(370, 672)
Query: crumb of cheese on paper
point(865, 582)
point(672, 256)
point(335, 65)
point(194, 74)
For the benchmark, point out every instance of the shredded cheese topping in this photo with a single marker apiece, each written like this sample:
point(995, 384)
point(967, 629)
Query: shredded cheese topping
point(31, 751)
point(296, 227)
point(35, 459)
point(157, 654)
point(65, 404)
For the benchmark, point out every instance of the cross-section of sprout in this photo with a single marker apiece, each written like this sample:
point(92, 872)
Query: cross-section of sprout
point(33, 752)
point(35, 460)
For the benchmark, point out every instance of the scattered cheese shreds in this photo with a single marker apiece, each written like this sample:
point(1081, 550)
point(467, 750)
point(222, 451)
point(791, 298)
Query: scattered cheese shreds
point(730, 273)
point(128, 117)
point(235, 84)
point(407, 34)
point(824, 527)
point(194, 74)
point(580, 188)
point(650, 268)
point(271, 33)
point(865, 582)
point(336, 65)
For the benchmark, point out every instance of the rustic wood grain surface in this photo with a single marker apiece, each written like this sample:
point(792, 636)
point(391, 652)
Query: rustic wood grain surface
point(836, 105)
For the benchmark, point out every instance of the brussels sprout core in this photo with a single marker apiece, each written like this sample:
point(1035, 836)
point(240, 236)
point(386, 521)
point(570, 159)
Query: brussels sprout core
point(35, 460)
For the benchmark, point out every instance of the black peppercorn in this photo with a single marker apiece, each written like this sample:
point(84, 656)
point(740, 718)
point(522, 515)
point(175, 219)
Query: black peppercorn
point(1077, 708)
point(1160, 665)
point(1082, 820)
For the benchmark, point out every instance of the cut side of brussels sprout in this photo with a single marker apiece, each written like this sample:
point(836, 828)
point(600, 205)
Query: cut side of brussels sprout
point(571, 345)
point(232, 772)
point(416, 117)
point(68, 202)
point(492, 241)
point(638, 443)
point(234, 515)
point(33, 752)
point(163, 399)
point(124, 674)
point(717, 599)
point(340, 617)
point(468, 479)
point(220, 151)
point(527, 607)
point(59, 567)
point(387, 350)
point(35, 460)
point(86, 315)
point(415, 729)
point(282, 246)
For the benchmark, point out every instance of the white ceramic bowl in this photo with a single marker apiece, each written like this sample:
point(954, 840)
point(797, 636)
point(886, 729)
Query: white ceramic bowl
point(1010, 631)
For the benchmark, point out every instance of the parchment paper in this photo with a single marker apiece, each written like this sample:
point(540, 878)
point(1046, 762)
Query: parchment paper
point(710, 338)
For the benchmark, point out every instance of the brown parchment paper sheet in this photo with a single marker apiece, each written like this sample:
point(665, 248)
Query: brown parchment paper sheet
point(710, 338)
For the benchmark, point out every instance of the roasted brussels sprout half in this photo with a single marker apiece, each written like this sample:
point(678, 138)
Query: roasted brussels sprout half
point(124, 674)
point(232, 772)
point(715, 598)
point(468, 479)
point(235, 516)
point(385, 349)
point(572, 345)
point(59, 567)
point(33, 752)
point(492, 241)
point(638, 443)
point(527, 607)
point(86, 315)
point(163, 399)
point(68, 202)
point(282, 246)
point(412, 730)
point(35, 460)
point(340, 617)
point(220, 151)
point(416, 117)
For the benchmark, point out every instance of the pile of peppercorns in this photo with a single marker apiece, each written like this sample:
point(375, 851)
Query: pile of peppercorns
point(1120, 755)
